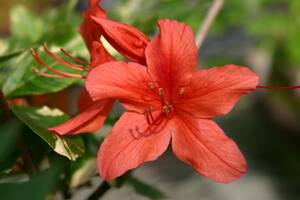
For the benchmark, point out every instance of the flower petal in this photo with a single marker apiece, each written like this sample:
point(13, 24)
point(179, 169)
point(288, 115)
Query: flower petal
point(122, 150)
point(84, 101)
point(172, 55)
point(215, 91)
point(119, 80)
point(202, 144)
point(99, 55)
point(127, 40)
point(88, 29)
point(90, 119)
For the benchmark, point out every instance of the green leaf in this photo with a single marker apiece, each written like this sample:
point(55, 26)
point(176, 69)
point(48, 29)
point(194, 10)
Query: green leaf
point(38, 188)
point(82, 170)
point(8, 139)
point(25, 25)
point(24, 81)
point(144, 189)
point(39, 119)
point(8, 56)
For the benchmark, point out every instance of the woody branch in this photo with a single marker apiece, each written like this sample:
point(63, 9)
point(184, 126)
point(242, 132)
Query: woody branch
point(210, 17)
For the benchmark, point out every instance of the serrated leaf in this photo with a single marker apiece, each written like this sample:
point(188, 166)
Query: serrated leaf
point(24, 81)
point(40, 119)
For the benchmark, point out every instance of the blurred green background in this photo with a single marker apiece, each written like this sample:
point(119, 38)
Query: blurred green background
point(261, 34)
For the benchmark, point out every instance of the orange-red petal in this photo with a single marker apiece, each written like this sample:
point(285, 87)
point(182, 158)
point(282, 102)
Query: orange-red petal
point(88, 29)
point(215, 91)
point(90, 119)
point(172, 55)
point(123, 150)
point(202, 144)
point(84, 100)
point(99, 55)
point(119, 80)
point(127, 40)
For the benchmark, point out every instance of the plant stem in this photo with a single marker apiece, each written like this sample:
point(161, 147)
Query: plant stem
point(210, 17)
point(100, 191)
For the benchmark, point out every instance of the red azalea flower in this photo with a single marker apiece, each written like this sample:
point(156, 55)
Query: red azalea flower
point(169, 99)
point(130, 42)
point(127, 40)
point(88, 29)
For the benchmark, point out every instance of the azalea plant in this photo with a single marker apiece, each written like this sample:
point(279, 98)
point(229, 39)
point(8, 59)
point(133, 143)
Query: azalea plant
point(168, 100)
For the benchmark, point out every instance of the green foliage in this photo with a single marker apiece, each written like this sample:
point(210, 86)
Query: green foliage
point(144, 189)
point(82, 170)
point(272, 23)
point(37, 188)
point(25, 81)
point(26, 26)
point(143, 14)
point(39, 119)
point(139, 186)
point(8, 139)
point(56, 27)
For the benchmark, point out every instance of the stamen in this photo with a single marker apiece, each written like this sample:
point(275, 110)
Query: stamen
point(149, 130)
point(45, 74)
point(73, 58)
point(165, 109)
point(158, 120)
point(181, 92)
point(151, 116)
point(151, 85)
point(64, 74)
point(147, 113)
point(161, 92)
point(134, 135)
point(63, 62)
point(278, 87)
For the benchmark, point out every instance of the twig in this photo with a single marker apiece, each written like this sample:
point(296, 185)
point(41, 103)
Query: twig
point(100, 191)
point(210, 17)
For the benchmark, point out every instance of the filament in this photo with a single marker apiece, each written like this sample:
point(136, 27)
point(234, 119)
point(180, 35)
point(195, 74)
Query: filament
point(63, 62)
point(45, 74)
point(73, 58)
point(58, 72)
point(278, 87)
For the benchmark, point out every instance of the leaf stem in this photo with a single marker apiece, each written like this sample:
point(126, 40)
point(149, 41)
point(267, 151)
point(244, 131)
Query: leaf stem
point(210, 17)
point(100, 191)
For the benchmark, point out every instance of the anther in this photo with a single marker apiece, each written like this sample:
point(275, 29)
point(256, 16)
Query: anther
point(165, 109)
point(151, 85)
point(161, 92)
point(181, 92)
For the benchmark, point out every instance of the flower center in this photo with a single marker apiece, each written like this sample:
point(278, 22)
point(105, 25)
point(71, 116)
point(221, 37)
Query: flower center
point(167, 105)
point(157, 120)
